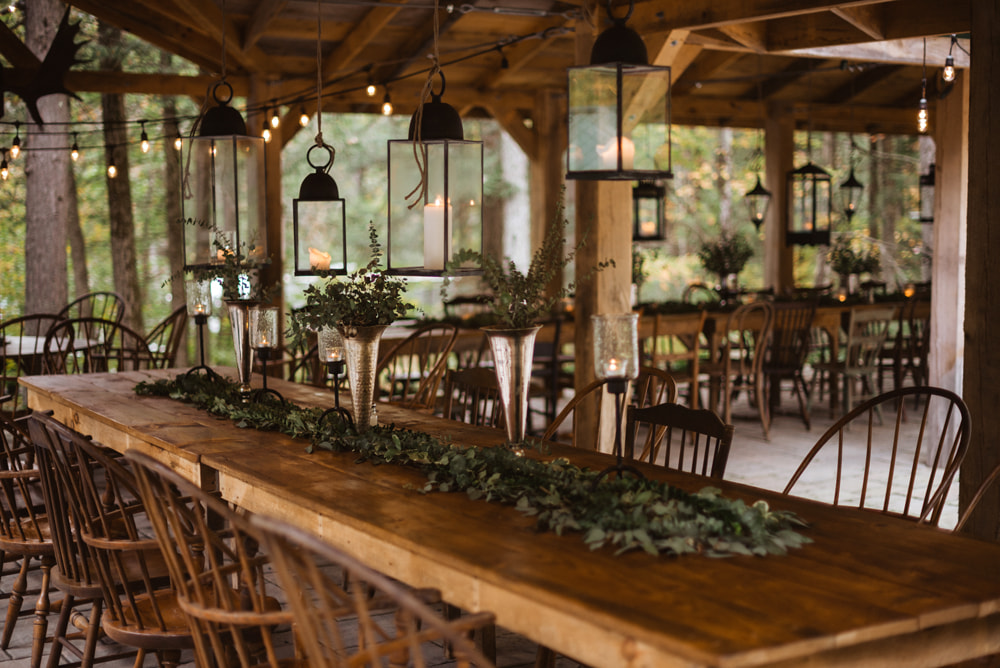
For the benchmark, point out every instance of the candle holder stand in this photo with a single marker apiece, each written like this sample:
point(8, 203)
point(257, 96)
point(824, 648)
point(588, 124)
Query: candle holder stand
point(200, 320)
point(618, 387)
point(336, 369)
point(264, 355)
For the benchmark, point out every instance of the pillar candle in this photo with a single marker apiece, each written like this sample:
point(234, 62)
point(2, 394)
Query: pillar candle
point(435, 255)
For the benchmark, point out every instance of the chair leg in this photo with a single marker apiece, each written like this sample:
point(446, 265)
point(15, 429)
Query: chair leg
point(16, 600)
point(65, 610)
point(799, 384)
point(41, 624)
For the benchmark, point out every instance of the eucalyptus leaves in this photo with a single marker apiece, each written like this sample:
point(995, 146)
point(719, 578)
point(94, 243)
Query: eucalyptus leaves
point(625, 513)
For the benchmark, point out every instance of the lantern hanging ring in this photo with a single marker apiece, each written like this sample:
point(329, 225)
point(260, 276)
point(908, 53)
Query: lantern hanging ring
point(436, 97)
point(331, 153)
point(628, 14)
point(215, 92)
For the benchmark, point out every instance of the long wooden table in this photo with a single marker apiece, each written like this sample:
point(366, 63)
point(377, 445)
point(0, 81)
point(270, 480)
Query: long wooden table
point(870, 589)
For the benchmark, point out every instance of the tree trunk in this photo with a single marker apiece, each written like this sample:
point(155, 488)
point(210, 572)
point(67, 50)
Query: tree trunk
point(172, 179)
point(724, 169)
point(77, 245)
point(47, 180)
point(123, 255)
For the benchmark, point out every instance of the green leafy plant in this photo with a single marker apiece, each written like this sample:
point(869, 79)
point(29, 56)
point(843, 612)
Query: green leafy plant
point(365, 297)
point(854, 255)
point(625, 513)
point(727, 254)
point(520, 299)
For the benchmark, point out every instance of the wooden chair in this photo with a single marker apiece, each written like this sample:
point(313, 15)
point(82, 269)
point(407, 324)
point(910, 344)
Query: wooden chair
point(866, 332)
point(21, 353)
point(700, 293)
point(692, 440)
point(551, 371)
point(105, 305)
point(212, 554)
point(412, 638)
point(905, 350)
point(654, 386)
point(472, 396)
point(984, 487)
point(165, 339)
point(410, 372)
point(77, 574)
point(676, 346)
point(739, 361)
point(78, 345)
point(885, 478)
point(24, 526)
point(785, 357)
point(126, 350)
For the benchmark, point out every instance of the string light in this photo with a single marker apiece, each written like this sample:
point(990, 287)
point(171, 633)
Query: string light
point(178, 142)
point(275, 119)
point(370, 89)
point(112, 170)
point(144, 139)
point(74, 152)
point(266, 134)
point(948, 74)
point(303, 117)
point(387, 104)
point(4, 171)
point(15, 146)
point(922, 106)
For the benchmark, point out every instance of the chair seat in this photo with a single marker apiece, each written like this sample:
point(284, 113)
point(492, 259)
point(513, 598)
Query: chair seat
point(28, 539)
point(143, 628)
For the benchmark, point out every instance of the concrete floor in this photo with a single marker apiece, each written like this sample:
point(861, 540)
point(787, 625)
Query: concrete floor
point(768, 464)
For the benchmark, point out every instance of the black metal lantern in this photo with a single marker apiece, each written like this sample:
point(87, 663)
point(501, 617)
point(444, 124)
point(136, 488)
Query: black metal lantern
point(319, 220)
point(435, 192)
point(758, 201)
point(927, 195)
point(647, 211)
point(851, 194)
point(809, 206)
point(224, 197)
point(619, 111)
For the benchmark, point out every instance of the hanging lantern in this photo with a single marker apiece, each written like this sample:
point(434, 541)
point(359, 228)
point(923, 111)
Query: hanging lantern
point(758, 200)
point(809, 206)
point(619, 111)
point(435, 192)
point(851, 189)
point(927, 195)
point(319, 221)
point(224, 191)
point(647, 205)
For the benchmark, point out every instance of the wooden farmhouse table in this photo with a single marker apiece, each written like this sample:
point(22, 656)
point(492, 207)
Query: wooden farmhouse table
point(870, 590)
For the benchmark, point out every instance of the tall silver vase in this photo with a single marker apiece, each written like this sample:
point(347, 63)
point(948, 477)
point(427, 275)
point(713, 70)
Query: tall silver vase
point(361, 349)
point(239, 320)
point(512, 352)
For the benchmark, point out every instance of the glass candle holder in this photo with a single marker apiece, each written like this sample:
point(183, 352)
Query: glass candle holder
point(264, 327)
point(331, 345)
point(616, 346)
point(199, 297)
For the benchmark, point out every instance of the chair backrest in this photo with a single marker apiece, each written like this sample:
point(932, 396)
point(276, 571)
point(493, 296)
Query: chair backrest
point(165, 339)
point(555, 431)
point(127, 350)
point(22, 342)
point(106, 305)
point(296, 557)
point(80, 345)
point(473, 396)
point(791, 336)
point(692, 440)
point(890, 469)
point(984, 487)
point(654, 386)
point(866, 333)
point(213, 558)
point(23, 525)
point(675, 346)
point(410, 372)
point(699, 293)
point(745, 339)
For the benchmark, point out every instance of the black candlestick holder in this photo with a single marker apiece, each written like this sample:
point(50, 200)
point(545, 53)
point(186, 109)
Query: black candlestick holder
point(264, 354)
point(336, 369)
point(618, 387)
point(201, 320)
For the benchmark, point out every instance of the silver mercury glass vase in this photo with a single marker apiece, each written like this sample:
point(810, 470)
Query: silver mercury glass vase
point(239, 320)
point(361, 350)
point(513, 350)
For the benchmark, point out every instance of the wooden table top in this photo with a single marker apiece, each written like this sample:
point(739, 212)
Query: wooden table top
point(869, 587)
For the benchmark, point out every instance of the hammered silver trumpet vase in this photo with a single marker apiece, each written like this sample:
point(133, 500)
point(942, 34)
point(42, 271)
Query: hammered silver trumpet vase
point(513, 350)
point(239, 320)
point(361, 350)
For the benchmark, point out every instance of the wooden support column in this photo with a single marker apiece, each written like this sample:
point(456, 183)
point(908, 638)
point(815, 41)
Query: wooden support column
point(982, 271)
point(547, 165)
point(259, 93)
point(779, 155)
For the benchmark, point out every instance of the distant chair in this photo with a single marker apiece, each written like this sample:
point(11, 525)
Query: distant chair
point(472, 396)
point(654, 386)
point(21, 353)
point(791, 338)
point(905, 350)
point(410, 372)
point(80, 345)
point(676, 346)
point(106, 305)
point(165, 339)
point(700, 293)
point(692, 440)
point(885, 479)
point(552, 371)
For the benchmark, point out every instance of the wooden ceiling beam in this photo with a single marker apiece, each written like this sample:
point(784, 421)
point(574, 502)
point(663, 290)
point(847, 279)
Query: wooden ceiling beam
point(264, 13)
point(522, 53)
point(752, 34)
point(699, 14)
point(209, 18)
point(359, 38)
point(778, 81)
point(420, 43)
point(707, 66)
point(144, 84)
point(869, 19)
point(861, 83)
point(512, 121)
point(897, 52)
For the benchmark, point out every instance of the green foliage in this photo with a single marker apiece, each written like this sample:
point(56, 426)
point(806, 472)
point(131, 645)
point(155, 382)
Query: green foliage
point(853, 254)
point(365, 297)
point(239, 271)
point(520, 299)
point(625, 513)
point(726, 255)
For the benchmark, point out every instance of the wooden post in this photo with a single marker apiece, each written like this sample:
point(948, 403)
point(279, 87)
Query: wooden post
point(779, 154)
point(547, 166)
point(982, 303)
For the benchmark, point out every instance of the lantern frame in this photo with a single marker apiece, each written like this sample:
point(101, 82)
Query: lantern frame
point(928, 185)
point(758, 201)
point(317, 189)
point(642, 192)
point(852, 189)
point(809, 191)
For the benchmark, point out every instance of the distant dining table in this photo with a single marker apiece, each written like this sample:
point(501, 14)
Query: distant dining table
point(869, 589)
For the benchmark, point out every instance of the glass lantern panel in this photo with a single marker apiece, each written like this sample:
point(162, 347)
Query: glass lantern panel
point(593, 124)
point(647, 217)
point(447, 217)
point(319, 236)
point(645, 117)
point(927, 202)
point(616, 345)
point(809, 206)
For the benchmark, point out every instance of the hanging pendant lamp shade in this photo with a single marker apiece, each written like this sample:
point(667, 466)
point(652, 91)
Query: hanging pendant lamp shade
point(319, 221)
point(758, 201)
point(224, 194)
point(619, 111)
point(851, 189)
point(809, 206)
point(647, 211)
point(433, 214)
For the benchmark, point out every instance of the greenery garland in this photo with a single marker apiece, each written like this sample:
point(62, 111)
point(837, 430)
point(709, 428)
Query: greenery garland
point(627, 513)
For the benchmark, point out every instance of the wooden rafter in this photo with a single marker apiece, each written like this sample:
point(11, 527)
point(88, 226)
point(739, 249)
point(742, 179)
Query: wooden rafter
point(859, 84)
point(209, 18)
point(262, 15)
point(698, 14)
point(419, 44)
point(520, 55)
point(752, 34)
point(367, 29)
point(869, 19)
point(710, 64)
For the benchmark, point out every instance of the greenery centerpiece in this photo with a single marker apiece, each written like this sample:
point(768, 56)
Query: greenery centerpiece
point(360, 306)
point(520, 300)
point(852, 256)
point(726, 256)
